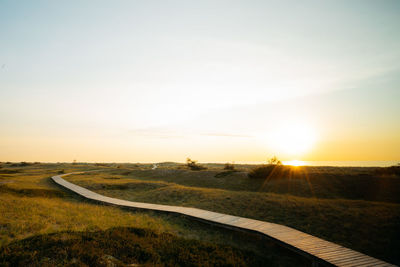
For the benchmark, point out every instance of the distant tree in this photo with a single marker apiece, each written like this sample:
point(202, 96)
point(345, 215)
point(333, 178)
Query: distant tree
point(192, 164)
point(274, 161)
point(74, 162)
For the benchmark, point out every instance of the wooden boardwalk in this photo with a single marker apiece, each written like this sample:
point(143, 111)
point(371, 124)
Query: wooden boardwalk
point(318, 250)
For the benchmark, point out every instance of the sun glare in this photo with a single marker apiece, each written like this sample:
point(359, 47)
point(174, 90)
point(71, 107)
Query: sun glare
point(295, 163)
point(293, 138)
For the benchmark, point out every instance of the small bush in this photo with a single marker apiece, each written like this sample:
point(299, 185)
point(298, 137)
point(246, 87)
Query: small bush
point(60, 172)
point(274, 161)
point(229, 166)
point(192, 164)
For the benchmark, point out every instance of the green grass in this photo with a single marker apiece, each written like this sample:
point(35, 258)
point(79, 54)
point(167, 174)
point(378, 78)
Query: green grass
point(42, 224)
point(349, 206)
point(121, 246)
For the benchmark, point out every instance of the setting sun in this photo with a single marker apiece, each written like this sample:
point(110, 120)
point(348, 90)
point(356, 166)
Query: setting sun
point(293, 138)
point(295, 163)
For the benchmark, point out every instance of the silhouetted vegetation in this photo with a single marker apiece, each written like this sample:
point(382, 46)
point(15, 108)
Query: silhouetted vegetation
point(229, 166)
point(274, 169)
point(21, 164)
point(392, 170)
point(274, 161)
point(192, 164)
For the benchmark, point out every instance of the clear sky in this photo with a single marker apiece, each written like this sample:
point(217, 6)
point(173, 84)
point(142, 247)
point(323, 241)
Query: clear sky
point(148, 81)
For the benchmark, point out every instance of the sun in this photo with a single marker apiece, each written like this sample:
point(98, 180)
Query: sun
point(292, 138)
point(295, 163)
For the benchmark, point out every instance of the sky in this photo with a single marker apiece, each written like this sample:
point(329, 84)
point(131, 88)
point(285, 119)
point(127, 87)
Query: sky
point(217, 81)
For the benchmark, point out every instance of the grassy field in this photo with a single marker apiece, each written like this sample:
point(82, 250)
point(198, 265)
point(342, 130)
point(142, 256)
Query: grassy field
point(43, 225)
point(355, 207)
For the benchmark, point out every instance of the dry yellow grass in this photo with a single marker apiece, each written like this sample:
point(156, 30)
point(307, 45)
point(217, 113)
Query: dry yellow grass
point(22, 217)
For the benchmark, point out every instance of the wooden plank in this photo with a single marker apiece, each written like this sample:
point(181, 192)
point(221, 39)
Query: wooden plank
point(381, 264)
point(326, 251)
point(225, 219)
point(277, 231)
point(337, 257)
point(334, 254)
point(304, 241)
point(311, 244)
point(355, 262)
point(222, 217)
point(253, 226)
point(294, 238)
point(319, 248)
point(338, 254)
point(335, 249)
point(347, 261)
point(243, 222)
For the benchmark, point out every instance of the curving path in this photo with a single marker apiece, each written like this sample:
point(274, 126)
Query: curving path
point(318, 250)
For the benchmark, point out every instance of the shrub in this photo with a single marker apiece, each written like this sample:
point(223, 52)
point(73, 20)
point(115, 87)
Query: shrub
point(274, 160)
point(192, 164)
point(273, 169)
point(229, 166)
